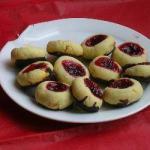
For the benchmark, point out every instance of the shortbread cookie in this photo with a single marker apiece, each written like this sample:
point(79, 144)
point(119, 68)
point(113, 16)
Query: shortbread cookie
point(129, 53)
point(98, 45)
point(88, 94)
point(53, 95)
point(67, 47)
point(26, 55)
point(68, 68)
point(105, 68)
point(140, 71)
point(123, 92)
point(34, 73)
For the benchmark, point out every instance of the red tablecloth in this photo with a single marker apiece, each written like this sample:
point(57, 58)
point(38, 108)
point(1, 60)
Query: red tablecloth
point(20, 129)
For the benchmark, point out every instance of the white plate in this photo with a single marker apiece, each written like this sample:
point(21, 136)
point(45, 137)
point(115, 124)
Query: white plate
point(76, 29)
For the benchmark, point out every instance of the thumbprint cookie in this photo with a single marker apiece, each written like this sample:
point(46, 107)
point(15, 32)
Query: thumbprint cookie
point(87, 93)
point(105, 68)
point(34, 73)
point(26, 55)
point(140, 71)
point(68, 68)
point(98, 45)
point(129, 53)
point(122, 92)
point(61, 47)
point(53, 95)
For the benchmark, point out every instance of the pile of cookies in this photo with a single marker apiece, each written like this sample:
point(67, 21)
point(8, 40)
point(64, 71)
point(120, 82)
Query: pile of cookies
point(69, 81)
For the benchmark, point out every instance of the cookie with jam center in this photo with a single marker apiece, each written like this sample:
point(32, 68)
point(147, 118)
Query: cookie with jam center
point(34, 73)
point(105, 68)
point(98, 45)
point(129, 53)
point(53, 95)
point(122, 92)
point(68, 68)
point(87, 93)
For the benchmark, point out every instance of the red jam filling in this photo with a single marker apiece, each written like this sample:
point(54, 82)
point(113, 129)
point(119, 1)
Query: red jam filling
point(95, 40)
point(35, 66)
point(121, 83)
point(107, 63)
point(94, 88)
point(73, 68)
point(131, 49)
point(56, 86)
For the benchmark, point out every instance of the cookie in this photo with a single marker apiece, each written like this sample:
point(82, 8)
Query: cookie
point(62, 47)
point(98, 45)
point(105, 68)
point(34, 73)
point(140, 71)
point(87, 93)
point(53, 95)
point(129, 53)
point(26, 55)
point(68, 68)
point(122, 92)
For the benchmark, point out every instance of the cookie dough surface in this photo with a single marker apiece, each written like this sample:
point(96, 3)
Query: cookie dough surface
point(89, 99)
point(123, 96)
point(103, 47)
point(126, 59)
point(27, 54)
point(74, 69)
point(141, 70)
point(64, 47)
point(28, 77)
point(53, 95)
point(105, 73)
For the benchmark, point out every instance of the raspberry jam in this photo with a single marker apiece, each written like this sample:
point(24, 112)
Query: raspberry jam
point(73, 68)
point(107, 63)
point(131, 49)
point(121, 83)
point(35, 66)
point(56, 86)
point(95, 40)
point(94, 88)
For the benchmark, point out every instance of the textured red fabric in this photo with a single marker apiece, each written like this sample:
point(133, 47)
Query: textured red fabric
point(20, 129)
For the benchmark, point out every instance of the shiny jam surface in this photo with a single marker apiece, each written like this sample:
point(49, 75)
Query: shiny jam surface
point(94, 88)
point(131, 49)
point(56, 86)
point(121, 83)
point(95, 40)
point(73, 68)
point(35, 66)
point(107, 63)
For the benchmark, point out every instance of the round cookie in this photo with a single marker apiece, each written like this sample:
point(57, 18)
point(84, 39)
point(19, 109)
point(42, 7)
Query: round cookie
point(129, 53)
point(105, 68)
point(140, 71)
point(68, 68)
point(87, 93)
point(67, 47)
point(34, 73)
point(123, 92)
point(26, 55)
point(53, 95)
point(98, 45)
